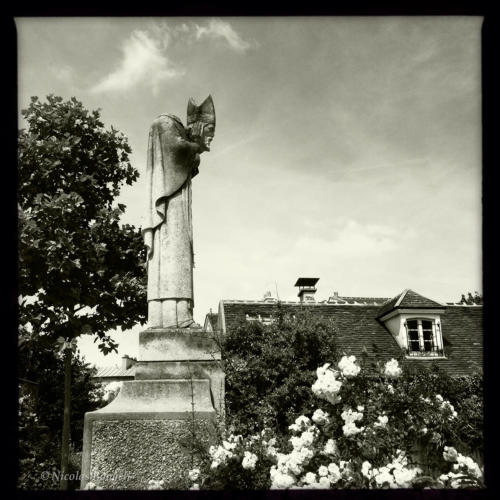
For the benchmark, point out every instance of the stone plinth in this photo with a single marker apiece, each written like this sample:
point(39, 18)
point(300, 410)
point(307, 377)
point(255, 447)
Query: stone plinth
point(173, 370)
point(177, 344)
point(147, 433)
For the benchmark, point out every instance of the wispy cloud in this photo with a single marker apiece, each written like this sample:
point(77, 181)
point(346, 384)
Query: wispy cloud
point(352, 240)
point(144, 61)
point(64, 73)
point(222, 30)
point(144, 54)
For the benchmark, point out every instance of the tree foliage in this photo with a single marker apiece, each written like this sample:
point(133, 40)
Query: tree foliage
point(40, 418)
point(46, 368)
point(471, 300)
point(81, 268)
point(269, 369)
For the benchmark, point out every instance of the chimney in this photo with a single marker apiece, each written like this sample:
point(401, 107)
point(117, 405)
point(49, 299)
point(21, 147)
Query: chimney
point(127, 362)
point(307, 289)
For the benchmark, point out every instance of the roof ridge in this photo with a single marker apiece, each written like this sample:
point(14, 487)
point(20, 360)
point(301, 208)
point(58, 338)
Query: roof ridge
point(402, 296)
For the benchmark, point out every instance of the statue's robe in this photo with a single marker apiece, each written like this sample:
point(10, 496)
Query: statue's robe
point(167, 226)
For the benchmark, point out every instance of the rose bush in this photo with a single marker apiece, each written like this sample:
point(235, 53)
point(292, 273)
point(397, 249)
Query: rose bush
point(369, 433)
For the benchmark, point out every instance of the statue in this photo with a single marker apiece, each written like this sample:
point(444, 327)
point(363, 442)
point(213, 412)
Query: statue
point(172, 161)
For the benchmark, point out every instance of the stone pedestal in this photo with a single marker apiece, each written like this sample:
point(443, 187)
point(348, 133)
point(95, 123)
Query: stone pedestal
point(147, 432)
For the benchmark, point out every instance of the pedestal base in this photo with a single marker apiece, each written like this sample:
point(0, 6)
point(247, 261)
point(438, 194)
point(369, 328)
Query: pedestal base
point(147, 433)
point(177, 344)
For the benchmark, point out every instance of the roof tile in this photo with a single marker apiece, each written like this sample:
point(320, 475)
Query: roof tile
point(359, 329)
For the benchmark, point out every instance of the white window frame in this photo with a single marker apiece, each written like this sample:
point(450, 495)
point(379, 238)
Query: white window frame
point(437, 350)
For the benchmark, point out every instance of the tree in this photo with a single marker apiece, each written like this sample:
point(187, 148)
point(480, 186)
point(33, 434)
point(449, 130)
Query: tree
point(80, 270)
point(471, 300)
point(41, 424)
point(269, 369)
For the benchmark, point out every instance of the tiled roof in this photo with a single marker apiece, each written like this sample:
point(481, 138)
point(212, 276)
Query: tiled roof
point(388, 306)
point(462, 328)
point(408, 299)
point(114, 372)
point(358, 328)
point(357, 300)
point(356, 324)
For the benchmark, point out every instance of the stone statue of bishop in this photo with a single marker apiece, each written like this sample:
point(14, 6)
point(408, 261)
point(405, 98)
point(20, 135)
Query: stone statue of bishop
point(172, 161)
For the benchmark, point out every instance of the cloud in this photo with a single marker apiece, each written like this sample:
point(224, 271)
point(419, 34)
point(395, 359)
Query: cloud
point(352, 240)
point(143, 61)
point(64, 73)
point(217, 29)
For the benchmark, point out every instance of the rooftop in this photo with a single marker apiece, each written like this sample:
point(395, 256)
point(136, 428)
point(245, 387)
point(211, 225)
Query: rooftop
point(360, 332)
point(114, 371)
point(408, 299)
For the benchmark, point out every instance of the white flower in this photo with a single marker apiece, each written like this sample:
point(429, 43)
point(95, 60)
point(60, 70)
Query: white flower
point(390, 388)
point(392, 369)
point(228, 446)
point(450, 454)
point(383, 476)
point(439, 398)
point(470, 465)
point(350, 416)
point(382, 421)
point(404, 477)
point(324, 482)
point(153, 484)
point(309, 478)
point(335, 473)
point(366, 469)
point(219, 455)
point(280, 480)
point(323, 471)
point(304, 440)
point(195, 486)
point(320, 417)
point(447, 406)
point(348, 367)
point(330, 448)
point(350, 429)
point(249, 460)
point(300, 424)
point(194, 474)
point(327, 386)
point(321, 371)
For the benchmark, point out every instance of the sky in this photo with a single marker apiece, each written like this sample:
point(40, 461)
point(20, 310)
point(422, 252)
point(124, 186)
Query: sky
point(346, 148)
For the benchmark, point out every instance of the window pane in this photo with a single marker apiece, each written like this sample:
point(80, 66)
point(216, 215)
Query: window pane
point(428, 335)
point(428, 341)
point(413, 341)
point(427, 325)
point(414, 345)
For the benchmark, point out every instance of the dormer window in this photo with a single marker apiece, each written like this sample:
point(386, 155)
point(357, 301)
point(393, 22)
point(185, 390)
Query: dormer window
point(415, 323)
point(423, 337)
